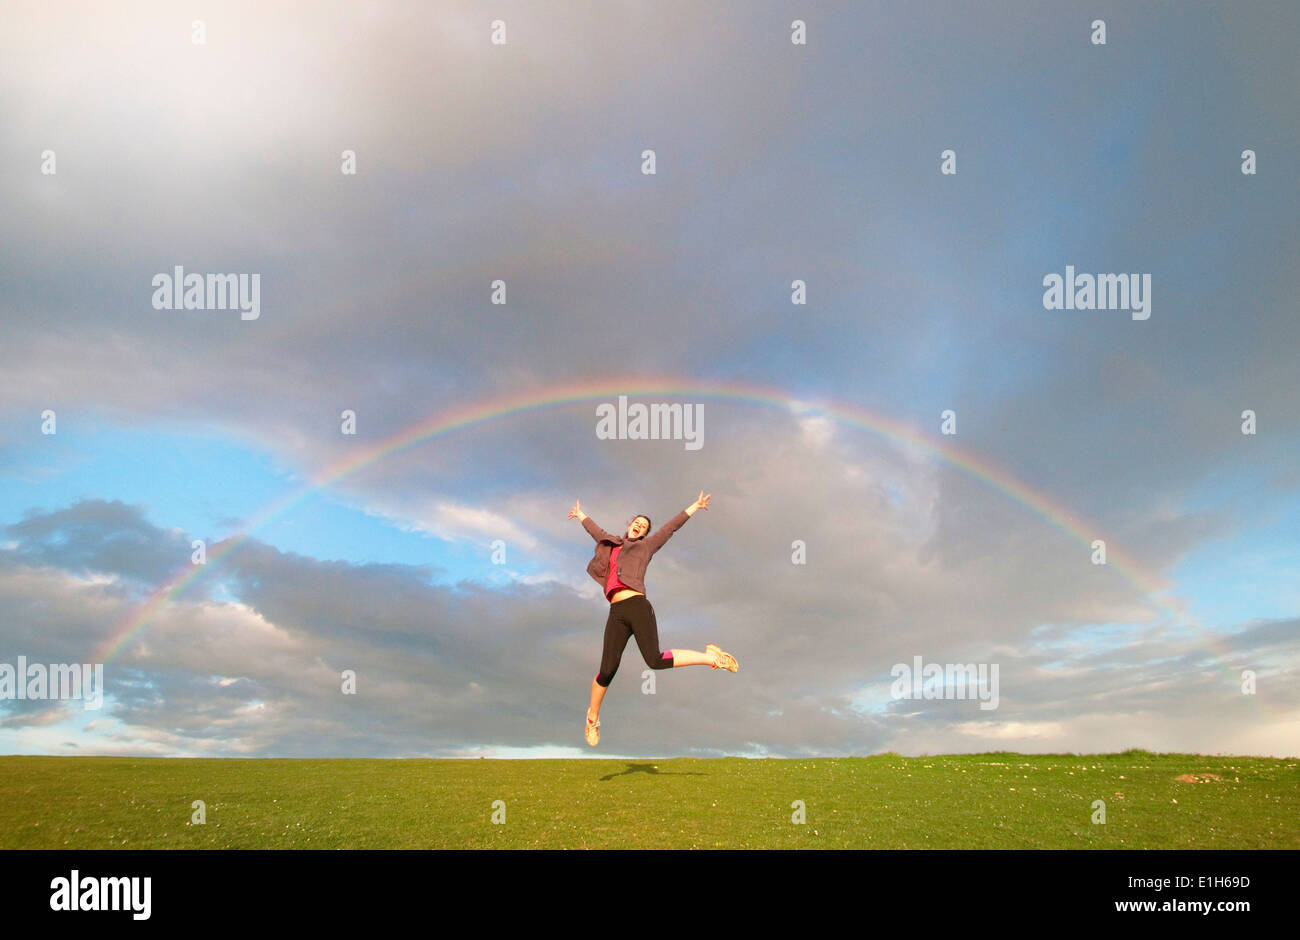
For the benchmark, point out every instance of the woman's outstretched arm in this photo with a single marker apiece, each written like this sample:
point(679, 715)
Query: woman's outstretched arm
point(595, 531)
point(656, 541)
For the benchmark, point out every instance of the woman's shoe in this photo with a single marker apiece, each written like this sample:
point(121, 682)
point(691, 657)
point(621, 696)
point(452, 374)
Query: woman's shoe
point(721, 659)
point(593, 731)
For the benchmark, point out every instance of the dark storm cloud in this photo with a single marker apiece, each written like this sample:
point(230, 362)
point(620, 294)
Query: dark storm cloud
point(101, 536)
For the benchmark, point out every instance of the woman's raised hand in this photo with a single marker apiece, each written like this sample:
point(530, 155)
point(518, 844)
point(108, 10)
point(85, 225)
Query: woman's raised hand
point(703, 501)
point(576, 512)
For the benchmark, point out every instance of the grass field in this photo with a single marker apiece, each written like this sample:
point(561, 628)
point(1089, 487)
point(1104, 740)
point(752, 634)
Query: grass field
point(1008, 801)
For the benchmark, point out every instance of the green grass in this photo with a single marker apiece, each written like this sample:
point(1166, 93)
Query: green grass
point(1010, 801)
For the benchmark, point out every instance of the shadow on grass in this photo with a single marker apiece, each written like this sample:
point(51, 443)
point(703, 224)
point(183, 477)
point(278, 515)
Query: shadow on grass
point(653, 769)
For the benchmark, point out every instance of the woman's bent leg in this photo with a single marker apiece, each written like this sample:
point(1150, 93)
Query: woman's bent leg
point(646, 630)
point(642, 618)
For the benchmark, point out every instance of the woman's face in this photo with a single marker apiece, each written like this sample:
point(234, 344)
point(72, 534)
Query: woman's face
point(638, 527)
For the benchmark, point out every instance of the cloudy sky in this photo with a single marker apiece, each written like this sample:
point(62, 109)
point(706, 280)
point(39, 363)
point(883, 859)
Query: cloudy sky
point(774, 162)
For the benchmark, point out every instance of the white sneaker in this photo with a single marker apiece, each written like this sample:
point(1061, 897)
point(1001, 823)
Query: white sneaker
point(721, 659)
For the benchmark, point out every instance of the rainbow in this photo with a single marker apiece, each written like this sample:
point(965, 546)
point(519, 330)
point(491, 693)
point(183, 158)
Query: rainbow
point(480, 412)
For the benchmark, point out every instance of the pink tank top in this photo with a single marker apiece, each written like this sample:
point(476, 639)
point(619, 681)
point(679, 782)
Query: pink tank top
point(612, 583)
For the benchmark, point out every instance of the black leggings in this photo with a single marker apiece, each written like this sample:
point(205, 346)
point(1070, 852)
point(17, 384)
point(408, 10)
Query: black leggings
point(631, 617)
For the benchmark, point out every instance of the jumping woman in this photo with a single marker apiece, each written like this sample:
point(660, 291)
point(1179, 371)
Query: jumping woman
point(619, 567)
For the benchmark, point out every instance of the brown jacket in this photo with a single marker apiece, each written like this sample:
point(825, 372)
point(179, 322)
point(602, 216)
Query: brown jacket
point(636, 553)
